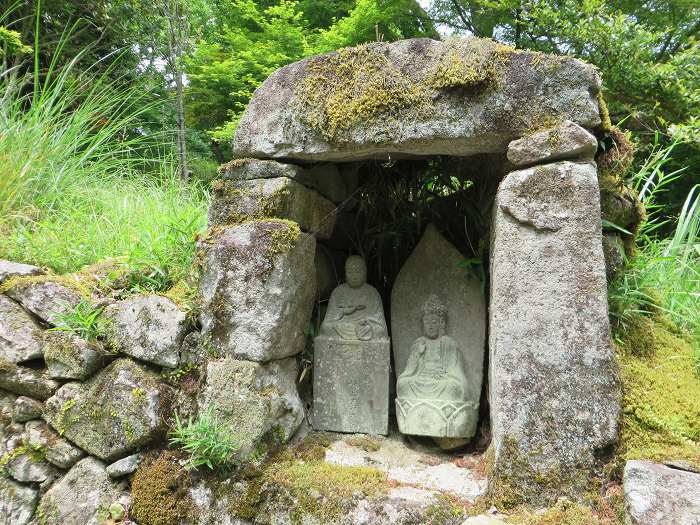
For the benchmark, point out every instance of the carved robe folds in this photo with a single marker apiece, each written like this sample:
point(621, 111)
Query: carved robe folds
point(438, 323)
point(351, 359)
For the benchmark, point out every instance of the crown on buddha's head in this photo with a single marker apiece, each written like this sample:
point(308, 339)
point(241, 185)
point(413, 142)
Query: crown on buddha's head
point(434, 306)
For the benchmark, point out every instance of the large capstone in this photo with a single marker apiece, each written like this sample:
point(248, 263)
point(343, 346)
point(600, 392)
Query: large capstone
point(414, 97)
point(83, 496)
point(20, 334)
point(255, 400)
point(660, 495)
point(258, 288)
point(554, 391)
point(150, 328)
point(115, 412)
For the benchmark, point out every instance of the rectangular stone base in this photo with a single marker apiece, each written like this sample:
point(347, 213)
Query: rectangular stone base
point(351, 385)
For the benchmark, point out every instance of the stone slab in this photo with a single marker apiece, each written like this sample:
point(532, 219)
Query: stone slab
point(568, 140)
point(325, 178)
point(526, 90)
point(554, 389)
point(351, 385)
point(237, 201)
point(660, 495)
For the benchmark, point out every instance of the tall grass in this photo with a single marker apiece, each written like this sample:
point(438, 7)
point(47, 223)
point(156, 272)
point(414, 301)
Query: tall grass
point(665, 273)
point(77, 177)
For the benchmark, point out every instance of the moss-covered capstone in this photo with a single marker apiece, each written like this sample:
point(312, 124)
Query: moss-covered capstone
point(104, 417)
point(416, 97)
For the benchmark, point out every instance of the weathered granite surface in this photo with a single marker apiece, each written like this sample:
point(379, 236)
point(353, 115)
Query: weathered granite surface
point(258, 288)
point(58, 451)
point(20, 334)
point(659, 495)
point(25, 409)
point(237, 201)
point(70, 357)
point(150, 328)
point(499, 94)
point(9, 269)
point(83, 496)
point(17, 502)
point(351, 358)
point(256, 400)
point(434, 277)
point(568, 140)
point(45, 299)
point(113, 413)
point(554, 390)
point(124, 466)
point(26, 381)
point(325, 178)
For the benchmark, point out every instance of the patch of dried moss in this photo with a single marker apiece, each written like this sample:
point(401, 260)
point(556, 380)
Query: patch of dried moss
point(469, 64)
point(564, 512)
point(661, 393)
point(616, 154)
point(159, 492)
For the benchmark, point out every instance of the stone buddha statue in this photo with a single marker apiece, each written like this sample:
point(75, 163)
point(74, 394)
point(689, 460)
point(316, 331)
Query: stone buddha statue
point(355, 310)
point(435, 367)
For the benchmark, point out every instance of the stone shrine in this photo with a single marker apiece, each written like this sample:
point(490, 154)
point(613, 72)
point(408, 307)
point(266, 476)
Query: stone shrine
point(438, 324)
point(351, 358)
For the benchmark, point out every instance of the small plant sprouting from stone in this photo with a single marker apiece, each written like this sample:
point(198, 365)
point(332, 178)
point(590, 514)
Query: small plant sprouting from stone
point(84, 320)
point(209, 442)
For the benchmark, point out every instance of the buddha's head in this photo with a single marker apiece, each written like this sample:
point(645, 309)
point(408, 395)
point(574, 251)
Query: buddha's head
point(355, 271)
point(434, 317)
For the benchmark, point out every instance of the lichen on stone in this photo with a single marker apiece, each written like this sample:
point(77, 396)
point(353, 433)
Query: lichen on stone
point(351, 86)
point(469, 64)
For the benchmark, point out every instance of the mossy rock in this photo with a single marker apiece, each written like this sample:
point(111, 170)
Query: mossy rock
point(416, 97)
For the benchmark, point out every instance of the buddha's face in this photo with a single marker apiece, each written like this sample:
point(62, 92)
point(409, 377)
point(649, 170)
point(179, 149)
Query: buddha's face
point(431, 325)
point(355, 272)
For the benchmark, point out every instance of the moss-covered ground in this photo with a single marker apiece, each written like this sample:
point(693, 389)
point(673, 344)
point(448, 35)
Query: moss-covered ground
point(661, 388)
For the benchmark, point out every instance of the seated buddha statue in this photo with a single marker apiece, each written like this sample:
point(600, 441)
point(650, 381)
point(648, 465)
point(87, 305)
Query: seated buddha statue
point(355, 310)
point(435, 368)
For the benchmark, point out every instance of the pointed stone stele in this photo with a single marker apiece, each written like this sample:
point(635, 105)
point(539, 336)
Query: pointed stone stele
point(438, 318)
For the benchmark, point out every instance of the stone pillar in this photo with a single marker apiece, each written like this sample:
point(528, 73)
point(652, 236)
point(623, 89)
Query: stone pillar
point(554, 391)
point(258, 288)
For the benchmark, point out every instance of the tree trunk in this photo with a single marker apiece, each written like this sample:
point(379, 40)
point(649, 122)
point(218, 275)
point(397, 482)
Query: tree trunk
point(176, 32)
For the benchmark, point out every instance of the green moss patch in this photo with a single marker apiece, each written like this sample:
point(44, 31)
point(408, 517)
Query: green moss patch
point(298, 479)
point(69, 281)
point(159, 492)
point(661, 387)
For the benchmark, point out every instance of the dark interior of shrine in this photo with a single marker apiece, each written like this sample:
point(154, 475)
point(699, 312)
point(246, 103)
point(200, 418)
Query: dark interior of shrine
point(391, 203)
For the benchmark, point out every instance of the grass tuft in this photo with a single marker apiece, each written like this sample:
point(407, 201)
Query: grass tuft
point(209, 442)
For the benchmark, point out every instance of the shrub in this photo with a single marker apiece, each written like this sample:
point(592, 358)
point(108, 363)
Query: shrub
point(209, 442)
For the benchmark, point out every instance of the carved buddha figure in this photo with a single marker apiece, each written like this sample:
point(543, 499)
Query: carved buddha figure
point(435, 368)
point(355, 309)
